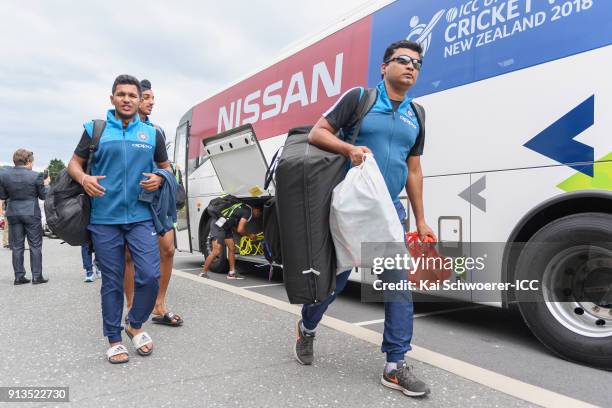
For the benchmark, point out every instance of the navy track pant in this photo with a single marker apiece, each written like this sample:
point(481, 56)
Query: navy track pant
point(109, 243)
point(399, 310)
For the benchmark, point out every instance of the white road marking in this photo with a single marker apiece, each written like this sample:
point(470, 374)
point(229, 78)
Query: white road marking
point(439, 312)
point(369, 322)
point(507, 385)
point(262, 286)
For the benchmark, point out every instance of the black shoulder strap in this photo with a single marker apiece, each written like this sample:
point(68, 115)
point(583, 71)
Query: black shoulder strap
point(420, 114)
point(98, 129)
point(365, 104)
point(271, 170)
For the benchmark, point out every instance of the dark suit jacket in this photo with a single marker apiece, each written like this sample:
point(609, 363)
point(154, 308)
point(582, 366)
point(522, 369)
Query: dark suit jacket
point(22, 188)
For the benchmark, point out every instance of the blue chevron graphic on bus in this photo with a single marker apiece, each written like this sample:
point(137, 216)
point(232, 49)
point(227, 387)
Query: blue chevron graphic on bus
point(470, 40)
point(557, 141)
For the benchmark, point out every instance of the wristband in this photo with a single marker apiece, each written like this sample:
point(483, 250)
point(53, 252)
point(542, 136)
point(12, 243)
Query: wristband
point(83, 179)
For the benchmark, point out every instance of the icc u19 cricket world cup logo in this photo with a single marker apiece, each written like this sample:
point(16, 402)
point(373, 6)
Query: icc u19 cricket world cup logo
point(421, 33)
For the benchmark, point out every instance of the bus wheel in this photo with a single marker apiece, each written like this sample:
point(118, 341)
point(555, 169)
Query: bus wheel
point(571, 312)
point(220, 264)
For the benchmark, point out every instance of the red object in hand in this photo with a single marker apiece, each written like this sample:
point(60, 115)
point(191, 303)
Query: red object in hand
point(430, 266)
point(428, 239)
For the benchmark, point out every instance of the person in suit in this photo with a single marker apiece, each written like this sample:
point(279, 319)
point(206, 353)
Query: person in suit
point(22, 188)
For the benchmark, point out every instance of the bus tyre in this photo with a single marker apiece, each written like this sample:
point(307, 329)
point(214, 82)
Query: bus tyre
point(571, 311)
point(220, 264)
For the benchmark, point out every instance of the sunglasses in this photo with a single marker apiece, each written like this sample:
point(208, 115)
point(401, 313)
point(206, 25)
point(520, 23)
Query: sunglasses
point(405, 60)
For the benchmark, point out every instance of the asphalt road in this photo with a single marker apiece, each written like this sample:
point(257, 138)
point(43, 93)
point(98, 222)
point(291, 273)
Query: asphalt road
point(487, 337)
point(234, 351)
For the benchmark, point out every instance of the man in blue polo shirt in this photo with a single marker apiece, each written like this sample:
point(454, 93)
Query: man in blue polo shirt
point(122, 167)
point(392, 133)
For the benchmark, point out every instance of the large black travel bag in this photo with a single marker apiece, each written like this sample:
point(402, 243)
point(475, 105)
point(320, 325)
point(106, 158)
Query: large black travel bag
point(305, 177)
point(67, 206)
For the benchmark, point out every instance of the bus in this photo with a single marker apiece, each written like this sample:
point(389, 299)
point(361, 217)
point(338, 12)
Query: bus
point(518, 150)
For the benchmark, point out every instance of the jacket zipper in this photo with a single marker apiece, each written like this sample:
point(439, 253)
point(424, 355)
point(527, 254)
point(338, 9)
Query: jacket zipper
point(389, 143)
point(125, 201)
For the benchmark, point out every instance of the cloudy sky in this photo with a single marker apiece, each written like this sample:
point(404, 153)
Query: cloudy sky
point(59, 58)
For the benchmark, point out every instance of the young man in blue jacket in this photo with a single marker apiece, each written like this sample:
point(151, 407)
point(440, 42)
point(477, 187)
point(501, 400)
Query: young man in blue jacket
point(392, 133)
point(123, 164)
point(161, 314)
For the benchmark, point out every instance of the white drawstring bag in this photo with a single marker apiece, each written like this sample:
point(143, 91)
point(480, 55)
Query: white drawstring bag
point(362, 211)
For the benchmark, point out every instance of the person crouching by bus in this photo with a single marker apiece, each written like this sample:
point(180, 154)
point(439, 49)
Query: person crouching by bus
point(396, 146)
point(221, 232)
point(121, 170)
point(161, 314)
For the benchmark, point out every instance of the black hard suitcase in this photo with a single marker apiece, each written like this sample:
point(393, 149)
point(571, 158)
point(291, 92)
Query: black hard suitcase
point(305, 177)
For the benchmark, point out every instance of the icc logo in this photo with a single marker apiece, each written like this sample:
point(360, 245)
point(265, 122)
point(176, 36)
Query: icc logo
point(421, 33)
point(142, 136)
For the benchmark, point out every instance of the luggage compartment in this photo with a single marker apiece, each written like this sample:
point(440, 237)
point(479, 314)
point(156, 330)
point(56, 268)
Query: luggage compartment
point(241, 168)
point(255, 226)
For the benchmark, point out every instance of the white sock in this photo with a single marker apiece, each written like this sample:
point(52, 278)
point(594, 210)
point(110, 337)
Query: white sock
point(305, 330)
point(231, 273)
point(390, 367)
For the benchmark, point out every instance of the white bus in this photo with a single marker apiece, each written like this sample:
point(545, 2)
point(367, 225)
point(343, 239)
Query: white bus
point(518, 146)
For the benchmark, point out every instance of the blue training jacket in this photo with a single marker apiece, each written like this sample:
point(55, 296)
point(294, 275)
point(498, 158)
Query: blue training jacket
point(390, 135)
point(122, 156)
point(162, 202)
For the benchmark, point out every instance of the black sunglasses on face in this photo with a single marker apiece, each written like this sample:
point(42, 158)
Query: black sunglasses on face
point(405, 60)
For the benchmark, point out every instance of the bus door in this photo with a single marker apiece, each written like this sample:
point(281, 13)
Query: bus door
point(182, 240)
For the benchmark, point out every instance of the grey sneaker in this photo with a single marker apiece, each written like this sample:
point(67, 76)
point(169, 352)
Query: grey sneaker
point(89, 276)
point(303, 349)
point(404, 380)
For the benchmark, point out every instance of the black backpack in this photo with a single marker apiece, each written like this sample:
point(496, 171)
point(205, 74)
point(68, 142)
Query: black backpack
point(67, 206)
point(181, 194)
point(218, 205)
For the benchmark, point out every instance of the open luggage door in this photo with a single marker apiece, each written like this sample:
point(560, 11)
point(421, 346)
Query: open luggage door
point(238, 161)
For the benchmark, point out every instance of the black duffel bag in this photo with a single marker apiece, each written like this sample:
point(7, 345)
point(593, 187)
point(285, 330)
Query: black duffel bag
point(181, 194)
point(67, 206)
point(305, 178)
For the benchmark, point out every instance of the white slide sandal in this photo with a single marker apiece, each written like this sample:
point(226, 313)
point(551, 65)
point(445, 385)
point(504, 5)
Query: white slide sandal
point(140, 340)
point(115, 351)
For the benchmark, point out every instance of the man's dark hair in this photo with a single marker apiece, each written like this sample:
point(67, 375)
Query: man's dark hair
point(411, 45)
point(127, 80)
point(145, 85)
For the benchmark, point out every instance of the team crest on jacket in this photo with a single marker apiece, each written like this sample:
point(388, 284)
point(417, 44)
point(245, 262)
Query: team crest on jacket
point(142, 136)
